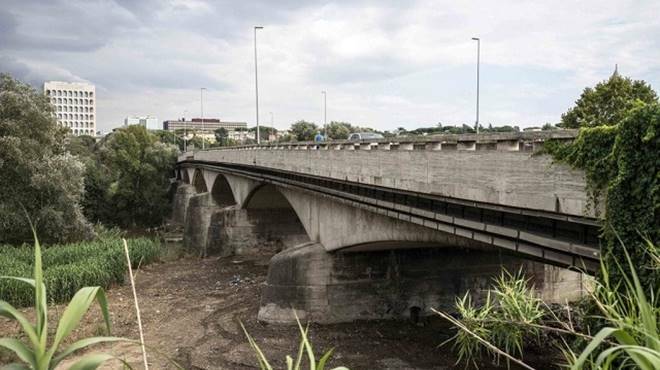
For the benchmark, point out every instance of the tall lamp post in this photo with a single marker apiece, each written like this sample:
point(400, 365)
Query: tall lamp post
point(325, 113)
point(201, 102)
point(185, 132)
point(478, 56)
point(256, 81)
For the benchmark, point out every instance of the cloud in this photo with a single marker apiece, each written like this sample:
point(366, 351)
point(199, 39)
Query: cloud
point(383, 63)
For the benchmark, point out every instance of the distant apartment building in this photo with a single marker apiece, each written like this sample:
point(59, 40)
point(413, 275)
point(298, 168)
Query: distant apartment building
point(149, 122)
point(75, 105)
point(207, 126)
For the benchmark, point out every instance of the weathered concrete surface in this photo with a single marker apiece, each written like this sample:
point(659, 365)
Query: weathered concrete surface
point(244, 231)
point(513, 178)
point(180, 204)
point(198, 217)
point(341, 287)
point(337, 225)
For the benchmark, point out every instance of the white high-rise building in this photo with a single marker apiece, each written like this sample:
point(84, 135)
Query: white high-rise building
point(75, 105)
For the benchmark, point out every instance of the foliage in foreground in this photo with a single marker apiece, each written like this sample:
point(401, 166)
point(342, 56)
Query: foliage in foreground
point(507, 319)
point(71, 267)
point(305, 348)
point(37, 174)
point(630, 338)
point(40, 353)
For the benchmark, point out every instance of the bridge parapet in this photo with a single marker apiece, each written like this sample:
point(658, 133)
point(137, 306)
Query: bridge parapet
point(510, 141)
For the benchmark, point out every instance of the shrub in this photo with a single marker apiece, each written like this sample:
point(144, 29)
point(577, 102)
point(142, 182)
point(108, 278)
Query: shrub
point(71, 267)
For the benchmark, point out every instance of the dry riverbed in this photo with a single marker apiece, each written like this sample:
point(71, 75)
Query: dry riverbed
point(191, 309)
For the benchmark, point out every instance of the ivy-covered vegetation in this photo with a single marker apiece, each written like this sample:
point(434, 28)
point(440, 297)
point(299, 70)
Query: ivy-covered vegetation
point(68, 268)
point(621, 160)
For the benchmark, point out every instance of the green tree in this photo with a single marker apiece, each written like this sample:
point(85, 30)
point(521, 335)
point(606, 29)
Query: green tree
point(221, 135)
point(608, 102)
point(264, 132)
point(129, 185)
point(35, 171)
point(303, 130)
point(340, 130)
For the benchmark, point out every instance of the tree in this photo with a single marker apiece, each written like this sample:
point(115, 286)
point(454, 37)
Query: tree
point(264, 132)
point(37, 174)
point(340, 130)
point(608, 102)
point(129, 184)
point(221, 135)
point(303, 130)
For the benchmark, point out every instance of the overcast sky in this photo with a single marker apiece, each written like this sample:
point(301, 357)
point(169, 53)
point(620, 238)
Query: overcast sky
point(384, 64)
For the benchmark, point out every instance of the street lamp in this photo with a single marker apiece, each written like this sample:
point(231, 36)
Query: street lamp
point(256, 81)
point(478, 56)
point(201, 102)
point(325, 111)
point(185, 132)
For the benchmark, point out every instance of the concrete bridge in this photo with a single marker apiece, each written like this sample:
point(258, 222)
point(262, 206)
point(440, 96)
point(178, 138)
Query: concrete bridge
point(391, 228)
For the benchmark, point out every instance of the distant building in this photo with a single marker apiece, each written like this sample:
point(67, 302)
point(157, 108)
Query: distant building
point(208, 126)
point(150, 122)
point(75, 105)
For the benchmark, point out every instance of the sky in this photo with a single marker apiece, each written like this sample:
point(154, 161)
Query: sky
point(384, 64)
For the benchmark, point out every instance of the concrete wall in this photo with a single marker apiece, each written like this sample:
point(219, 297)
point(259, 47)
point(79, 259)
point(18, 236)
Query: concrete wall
point(244, 231)
point(341, 287)
point(180, 203)
point(515, 178)
point(198, 218)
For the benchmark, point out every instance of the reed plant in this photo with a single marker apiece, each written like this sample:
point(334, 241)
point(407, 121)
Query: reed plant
point(305, 348)
point(629, 336)
point(39, 352)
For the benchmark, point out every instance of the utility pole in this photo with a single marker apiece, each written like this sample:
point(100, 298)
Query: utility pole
point(478, 57)
point(256, 81)
point(185, 132)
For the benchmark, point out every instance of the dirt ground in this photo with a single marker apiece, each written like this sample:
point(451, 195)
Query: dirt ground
point(191, 309)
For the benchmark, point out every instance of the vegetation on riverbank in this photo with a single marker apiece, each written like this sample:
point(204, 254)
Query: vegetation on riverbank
point(629, 335)
point(70, 267)
point(618, 147)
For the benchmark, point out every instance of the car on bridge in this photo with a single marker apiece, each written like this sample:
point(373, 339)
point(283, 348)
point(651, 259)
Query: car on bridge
point(361, 136)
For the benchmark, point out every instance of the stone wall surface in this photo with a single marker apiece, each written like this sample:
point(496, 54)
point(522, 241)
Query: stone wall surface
point(180, 203)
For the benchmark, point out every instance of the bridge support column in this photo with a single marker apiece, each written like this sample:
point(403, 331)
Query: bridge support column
point(406, 283)
point(198, 217)
point(180, 203)
point(245, 231)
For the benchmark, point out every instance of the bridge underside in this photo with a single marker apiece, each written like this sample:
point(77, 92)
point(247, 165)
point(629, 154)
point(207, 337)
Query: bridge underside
point(353, 252)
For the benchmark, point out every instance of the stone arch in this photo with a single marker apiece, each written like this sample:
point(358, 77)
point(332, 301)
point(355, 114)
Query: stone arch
point(184, 176)
point(221, 192)
point(198, 181)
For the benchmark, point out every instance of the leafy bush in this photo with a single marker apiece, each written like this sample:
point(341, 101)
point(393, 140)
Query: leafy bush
point(38, 176)
point(71, 267)
point(622, 167)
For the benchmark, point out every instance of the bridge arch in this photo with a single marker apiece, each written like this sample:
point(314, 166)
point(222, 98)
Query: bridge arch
point(198, 181)
point(184, 175)
point(221, 191)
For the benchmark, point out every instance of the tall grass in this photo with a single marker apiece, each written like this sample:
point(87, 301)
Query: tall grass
point(629, 339)
point(38, 351)
point(71, 267)
point(305, 348)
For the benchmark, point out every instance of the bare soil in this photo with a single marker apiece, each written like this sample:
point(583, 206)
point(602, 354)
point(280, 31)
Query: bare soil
point(191, 310)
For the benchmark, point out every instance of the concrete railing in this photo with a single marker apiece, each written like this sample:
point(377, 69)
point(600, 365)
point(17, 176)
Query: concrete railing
point(507, 142)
